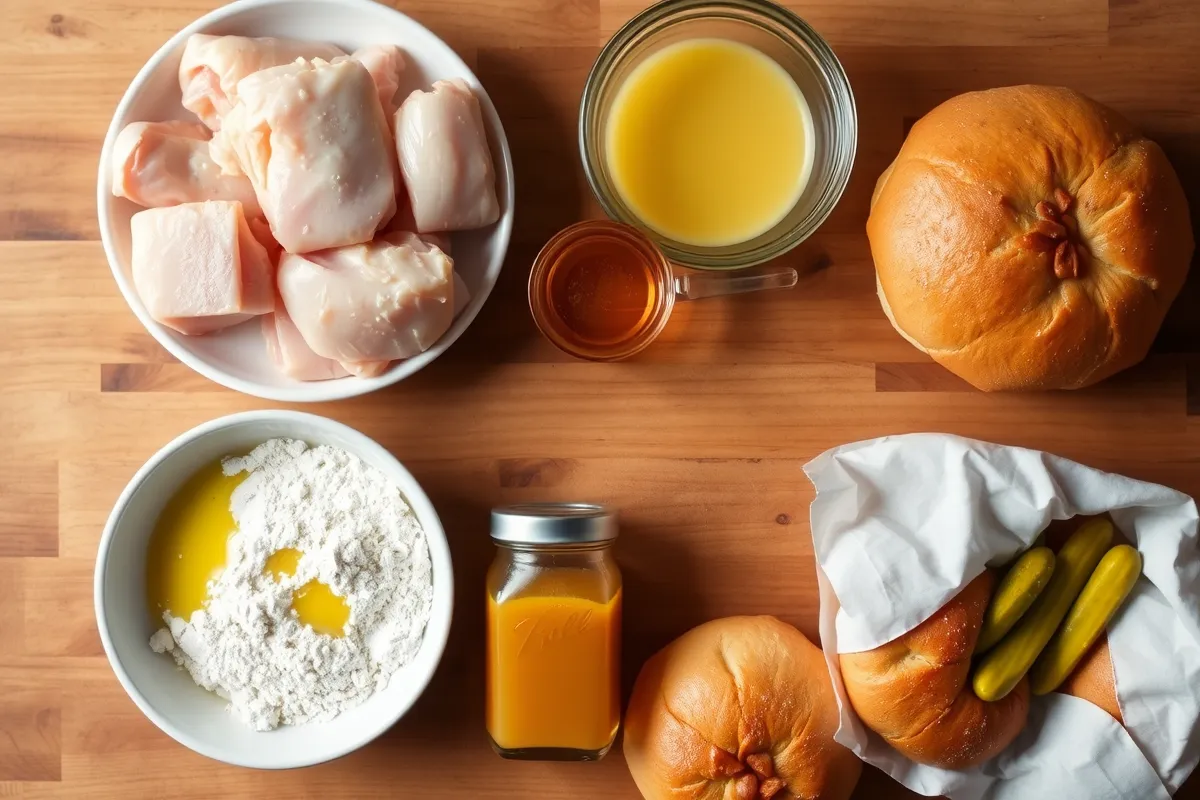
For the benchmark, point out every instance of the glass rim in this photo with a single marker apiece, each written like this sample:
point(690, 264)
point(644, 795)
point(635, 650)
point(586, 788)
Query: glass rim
point(742, 11)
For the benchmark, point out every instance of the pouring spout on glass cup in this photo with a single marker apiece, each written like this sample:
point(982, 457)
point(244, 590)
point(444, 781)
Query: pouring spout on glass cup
point(603, 291)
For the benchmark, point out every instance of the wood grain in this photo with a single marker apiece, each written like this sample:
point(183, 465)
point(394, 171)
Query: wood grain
point(29, 509)
point(984, 23)
point(30, 729)
point(699, 442)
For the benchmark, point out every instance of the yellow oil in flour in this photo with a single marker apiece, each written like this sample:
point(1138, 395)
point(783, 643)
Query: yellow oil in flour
point(315, 603)
point(187, 550)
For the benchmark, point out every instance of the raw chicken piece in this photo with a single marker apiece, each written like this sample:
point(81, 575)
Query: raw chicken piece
point(312, 139)
point(262, 232)
point(439, 240)
point(290, 352)
point(385, 62)
point(372, 369)
point(403, 220)
point(222, 154)
point(366, 369)
point(198, 268)
point(462, 295)
point(167, 163)
point(445, 160)
point(388, 299)
point(212, 66)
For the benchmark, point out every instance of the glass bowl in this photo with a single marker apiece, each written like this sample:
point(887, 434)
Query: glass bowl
point(772, 30)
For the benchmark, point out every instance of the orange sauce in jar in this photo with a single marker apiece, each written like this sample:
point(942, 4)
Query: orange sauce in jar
point(555, 666)
point(553, 633)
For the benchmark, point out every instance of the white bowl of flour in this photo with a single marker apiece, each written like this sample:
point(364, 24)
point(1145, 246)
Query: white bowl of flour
point(391, 674)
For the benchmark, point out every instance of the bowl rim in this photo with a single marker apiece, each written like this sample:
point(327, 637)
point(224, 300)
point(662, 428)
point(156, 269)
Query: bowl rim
point(437, 629)
point(611, 56)
point(311, 391)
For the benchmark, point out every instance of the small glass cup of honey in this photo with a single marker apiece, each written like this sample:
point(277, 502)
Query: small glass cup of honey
point(603, 291)
point(553, 633)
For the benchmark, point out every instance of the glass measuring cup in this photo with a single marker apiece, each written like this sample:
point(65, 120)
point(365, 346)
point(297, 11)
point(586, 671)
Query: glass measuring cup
point(603, 291)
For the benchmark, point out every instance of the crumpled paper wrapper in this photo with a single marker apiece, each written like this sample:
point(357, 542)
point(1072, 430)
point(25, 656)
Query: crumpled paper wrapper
point(901, 524)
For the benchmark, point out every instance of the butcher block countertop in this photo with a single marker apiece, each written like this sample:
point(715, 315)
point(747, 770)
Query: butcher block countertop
point(699, 442)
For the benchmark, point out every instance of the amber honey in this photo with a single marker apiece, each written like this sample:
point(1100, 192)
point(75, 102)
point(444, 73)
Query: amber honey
point(601, 291)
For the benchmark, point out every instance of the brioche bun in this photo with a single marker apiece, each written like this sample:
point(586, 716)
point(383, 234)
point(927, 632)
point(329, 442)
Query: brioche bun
point(1029, 238)
point(915, 691)
point(743, 708)
point(1094, 680)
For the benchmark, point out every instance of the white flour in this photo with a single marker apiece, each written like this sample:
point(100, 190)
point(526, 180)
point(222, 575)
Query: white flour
point(359, 537)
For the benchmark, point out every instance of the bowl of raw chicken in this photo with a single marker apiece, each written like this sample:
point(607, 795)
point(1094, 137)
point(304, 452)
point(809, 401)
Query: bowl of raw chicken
point(305, 200)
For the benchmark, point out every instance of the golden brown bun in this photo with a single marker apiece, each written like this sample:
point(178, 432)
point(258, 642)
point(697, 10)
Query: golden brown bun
point(915, 691)
point(1094, 681)
point(740, 708)
point(1029, 238)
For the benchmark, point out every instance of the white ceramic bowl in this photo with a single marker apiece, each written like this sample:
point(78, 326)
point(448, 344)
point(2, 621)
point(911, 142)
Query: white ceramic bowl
point(237, 357)
point(166, 694)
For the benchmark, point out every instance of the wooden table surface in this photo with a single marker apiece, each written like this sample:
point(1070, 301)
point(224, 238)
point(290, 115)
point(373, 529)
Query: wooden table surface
point(699, 442)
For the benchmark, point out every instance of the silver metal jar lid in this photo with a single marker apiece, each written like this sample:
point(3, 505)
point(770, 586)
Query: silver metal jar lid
point(553, 523)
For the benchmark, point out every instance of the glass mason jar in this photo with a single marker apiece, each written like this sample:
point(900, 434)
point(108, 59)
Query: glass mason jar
point(553, 632)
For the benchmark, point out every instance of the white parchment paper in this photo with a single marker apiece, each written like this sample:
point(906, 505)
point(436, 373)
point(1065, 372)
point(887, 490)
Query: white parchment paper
point(901, 524)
